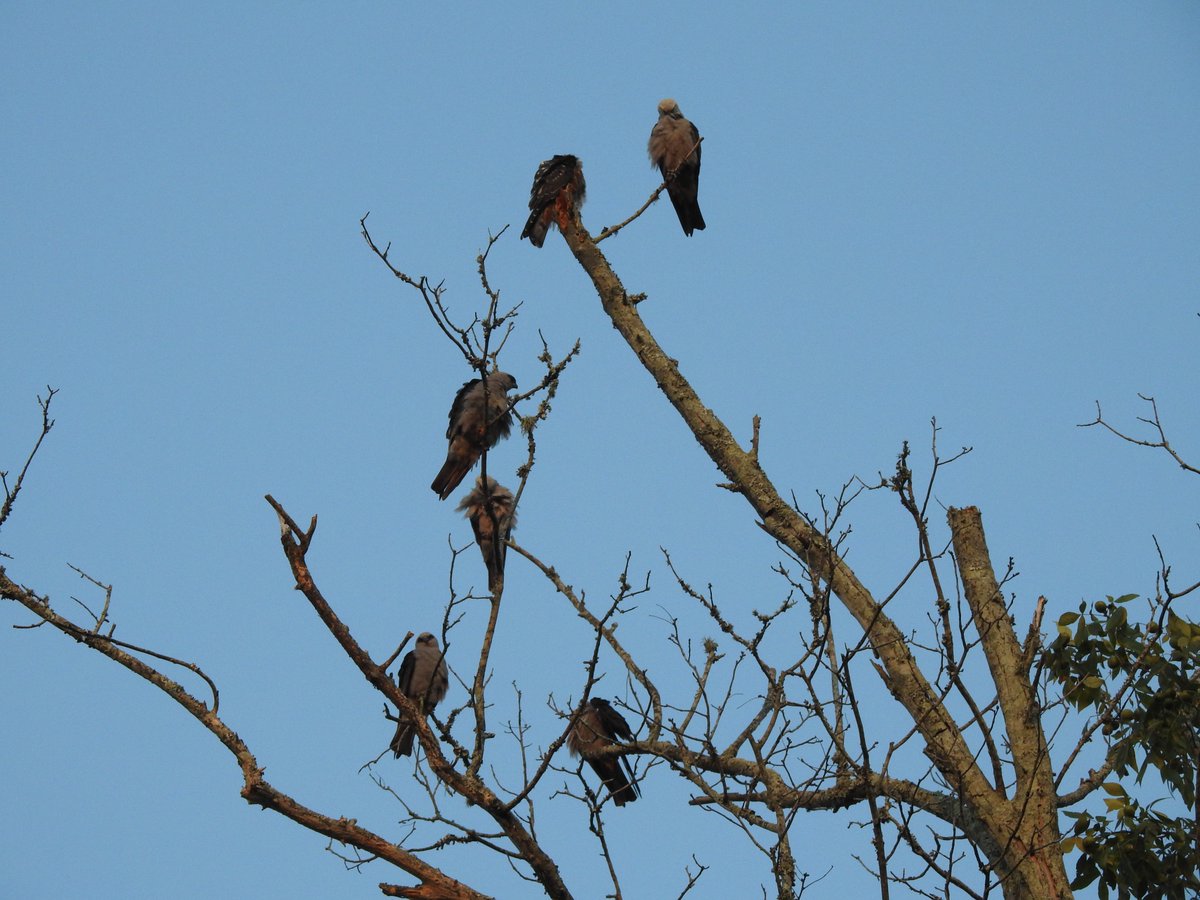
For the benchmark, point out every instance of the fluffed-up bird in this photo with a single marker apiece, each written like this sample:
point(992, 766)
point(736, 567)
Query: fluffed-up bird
point(674, 147)
point(490, 511)
point(479, 417)
point(598, 725)
point(423, 678)
point(558, 187)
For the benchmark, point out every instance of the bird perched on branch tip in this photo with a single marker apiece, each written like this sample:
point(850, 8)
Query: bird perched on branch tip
point(675, 148)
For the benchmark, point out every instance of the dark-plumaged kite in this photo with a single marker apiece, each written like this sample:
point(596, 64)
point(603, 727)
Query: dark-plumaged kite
point(558, 187)
point(479, 417)
point(492, 518)
point(598, 725)
point(674, 147)
point(423, 679)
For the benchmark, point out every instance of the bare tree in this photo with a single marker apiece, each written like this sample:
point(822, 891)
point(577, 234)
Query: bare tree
point(967, 802)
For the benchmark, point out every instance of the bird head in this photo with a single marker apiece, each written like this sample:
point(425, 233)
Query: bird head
point(502, 381)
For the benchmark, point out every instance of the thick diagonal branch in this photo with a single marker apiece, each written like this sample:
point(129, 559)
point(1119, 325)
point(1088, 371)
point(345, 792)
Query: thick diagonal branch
point(783, 523)
point(945, 744)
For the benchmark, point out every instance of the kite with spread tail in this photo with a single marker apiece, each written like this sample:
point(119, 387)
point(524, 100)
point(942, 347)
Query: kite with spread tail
point(479, 417)
point(598, 725)
point(423, 678)
point(558, 187)
point(674, 147)
point(492, 518)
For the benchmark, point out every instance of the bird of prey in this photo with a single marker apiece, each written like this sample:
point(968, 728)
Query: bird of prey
point(492, 518)
point(479, 417)
point(423, 679)
point(557, 187)
point(674, 148)
point(598, 725)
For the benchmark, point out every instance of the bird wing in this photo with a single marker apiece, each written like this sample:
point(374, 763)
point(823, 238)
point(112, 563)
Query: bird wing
point(404, 676)
point(611, 722)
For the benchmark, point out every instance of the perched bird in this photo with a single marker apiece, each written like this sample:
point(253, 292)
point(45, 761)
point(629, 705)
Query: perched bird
point(557, 187)
point(674, 148)
point(598, 725)
point(492, 518)
point(423, 679)
point(479, 417)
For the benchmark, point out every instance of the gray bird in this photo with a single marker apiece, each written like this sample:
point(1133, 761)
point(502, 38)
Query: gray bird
point(492, 519)
point(558, 186)
point(672, 140)
point(597, 726)
point(423, 678)
point(479, 417)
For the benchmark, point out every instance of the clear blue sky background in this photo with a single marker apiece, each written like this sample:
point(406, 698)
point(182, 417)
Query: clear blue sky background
point(987, 213)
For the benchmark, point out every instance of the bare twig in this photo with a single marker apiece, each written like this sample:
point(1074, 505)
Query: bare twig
point(10, 493)
point(1154, 422)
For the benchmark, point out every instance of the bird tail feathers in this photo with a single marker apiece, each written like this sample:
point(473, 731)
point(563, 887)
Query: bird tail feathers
point(535, 229)
point(450, 477)
point(402, 743)
point(623, 789)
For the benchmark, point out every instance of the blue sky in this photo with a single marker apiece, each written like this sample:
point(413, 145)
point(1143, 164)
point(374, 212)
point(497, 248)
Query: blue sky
point(986, 214)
